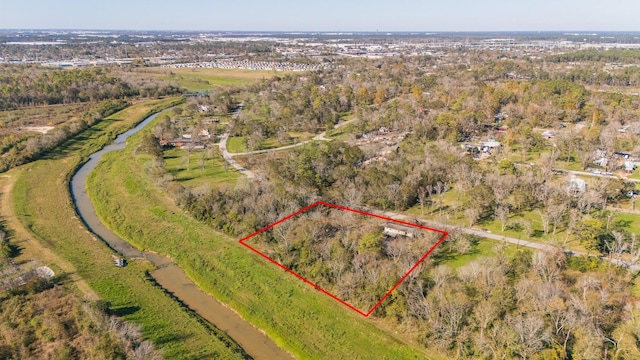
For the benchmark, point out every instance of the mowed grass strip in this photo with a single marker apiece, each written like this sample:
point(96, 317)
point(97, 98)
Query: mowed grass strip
point(299, 318)
point(43, 205)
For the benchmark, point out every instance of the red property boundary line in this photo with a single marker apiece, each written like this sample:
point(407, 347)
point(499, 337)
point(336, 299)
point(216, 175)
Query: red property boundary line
point(440, 240)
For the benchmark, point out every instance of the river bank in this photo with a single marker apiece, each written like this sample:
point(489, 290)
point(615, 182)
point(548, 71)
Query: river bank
point(171, 277)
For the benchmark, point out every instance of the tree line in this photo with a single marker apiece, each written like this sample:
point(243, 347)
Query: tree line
point(22, 86)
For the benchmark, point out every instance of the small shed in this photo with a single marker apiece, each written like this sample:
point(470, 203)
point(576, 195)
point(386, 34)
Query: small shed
point(576, 186)
point(395, 229)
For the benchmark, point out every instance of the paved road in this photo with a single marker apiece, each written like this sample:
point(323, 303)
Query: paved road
point(484, 234)
point(586, 173)
point(228, 157)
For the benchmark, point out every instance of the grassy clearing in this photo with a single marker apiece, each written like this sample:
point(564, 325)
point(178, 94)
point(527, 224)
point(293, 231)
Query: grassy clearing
point(298, 318)
point(635, 289)
point(206, 79)
point(43, 205)
point(343, 132)
point(633, 221)
point(236, 144)
point(479, 249)
point(192, 174)
point(573, 166)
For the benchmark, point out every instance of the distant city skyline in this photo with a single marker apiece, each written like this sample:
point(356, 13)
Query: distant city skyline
point(328, 15)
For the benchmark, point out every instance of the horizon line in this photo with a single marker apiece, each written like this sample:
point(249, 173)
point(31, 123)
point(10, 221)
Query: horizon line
point(377, 31)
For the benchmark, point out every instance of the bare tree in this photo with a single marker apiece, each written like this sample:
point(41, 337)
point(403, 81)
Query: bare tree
point(544, 219)
point(617, 246)
point(473, 214)
point(555, 212)
point(532, 333)
point(548, 265)
point(440, 188)
point(502, 213)
point(352, 194)
point(422, 197)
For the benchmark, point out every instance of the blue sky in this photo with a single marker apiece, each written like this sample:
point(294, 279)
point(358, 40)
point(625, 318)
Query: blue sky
point(324, 15)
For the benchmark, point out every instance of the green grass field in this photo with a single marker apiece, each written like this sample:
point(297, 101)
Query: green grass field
point(43, 205)
point(483, 248)
point(299, 318)
point(343, 132)
point(236, 144)
point(192, 174)
point(206, 79)
point(574, 166)
point(633, 220)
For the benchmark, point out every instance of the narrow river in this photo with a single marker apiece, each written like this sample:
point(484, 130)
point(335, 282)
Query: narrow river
point(167, 274)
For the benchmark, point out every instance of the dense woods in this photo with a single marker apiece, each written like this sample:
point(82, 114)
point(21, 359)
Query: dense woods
point(25, 86)
point(345, 253)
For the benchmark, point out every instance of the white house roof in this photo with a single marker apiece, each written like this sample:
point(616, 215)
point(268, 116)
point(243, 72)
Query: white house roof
point(491, 144)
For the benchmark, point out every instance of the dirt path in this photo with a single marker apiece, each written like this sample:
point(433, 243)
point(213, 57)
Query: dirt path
point(482, 234)
point(229, 157)
point(586, 173)
point(31, 248)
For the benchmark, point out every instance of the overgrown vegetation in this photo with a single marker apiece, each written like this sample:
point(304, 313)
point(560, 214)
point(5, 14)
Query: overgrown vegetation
point(43, 205)
point(346, 254)
point(55, 324)
point(33, 148)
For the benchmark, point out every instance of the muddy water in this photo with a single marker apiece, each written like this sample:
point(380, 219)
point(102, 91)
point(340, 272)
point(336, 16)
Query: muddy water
point(168, 275)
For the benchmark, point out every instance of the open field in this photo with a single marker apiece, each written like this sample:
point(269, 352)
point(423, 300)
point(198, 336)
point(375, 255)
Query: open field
point(479, 249)
point(236, 144)
point(299, 319)
point(205, 79)
point(214, 173)
point(43, 206)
